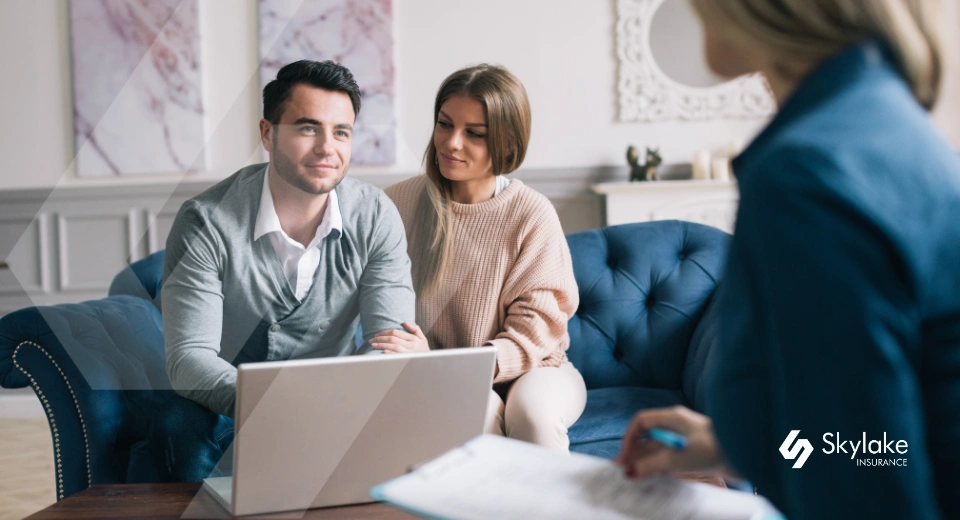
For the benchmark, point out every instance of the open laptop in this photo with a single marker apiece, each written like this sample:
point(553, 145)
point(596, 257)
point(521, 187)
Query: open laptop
point(322, 432)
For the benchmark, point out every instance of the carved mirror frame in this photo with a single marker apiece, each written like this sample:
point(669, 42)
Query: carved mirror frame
point(647, 94)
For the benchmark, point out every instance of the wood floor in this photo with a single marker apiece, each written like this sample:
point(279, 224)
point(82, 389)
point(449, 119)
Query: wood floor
point(26, 467)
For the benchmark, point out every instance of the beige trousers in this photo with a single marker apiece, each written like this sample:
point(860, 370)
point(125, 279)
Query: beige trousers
point(540, 406)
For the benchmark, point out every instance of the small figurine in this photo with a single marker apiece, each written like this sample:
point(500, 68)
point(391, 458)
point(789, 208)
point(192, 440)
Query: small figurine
point(646, 171)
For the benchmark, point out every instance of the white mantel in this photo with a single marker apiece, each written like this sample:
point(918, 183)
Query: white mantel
point(708, 202)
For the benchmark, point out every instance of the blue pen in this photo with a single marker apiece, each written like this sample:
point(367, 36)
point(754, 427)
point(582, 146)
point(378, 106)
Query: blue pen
point(670, 439)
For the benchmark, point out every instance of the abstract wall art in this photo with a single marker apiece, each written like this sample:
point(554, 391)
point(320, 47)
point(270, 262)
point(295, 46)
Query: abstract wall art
point(355, 33)
point(138, 104)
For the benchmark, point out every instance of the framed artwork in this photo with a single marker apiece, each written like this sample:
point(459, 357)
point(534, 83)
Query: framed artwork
point(358, 34)
point(662, 72)
point(138, 104)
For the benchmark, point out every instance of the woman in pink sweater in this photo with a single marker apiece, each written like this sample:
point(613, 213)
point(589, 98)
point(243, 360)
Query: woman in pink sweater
point(491, 265)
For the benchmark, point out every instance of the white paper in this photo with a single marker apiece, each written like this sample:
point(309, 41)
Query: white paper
point(495, 477)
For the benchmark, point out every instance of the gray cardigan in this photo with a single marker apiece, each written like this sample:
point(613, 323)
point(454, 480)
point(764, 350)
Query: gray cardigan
point(226, 300)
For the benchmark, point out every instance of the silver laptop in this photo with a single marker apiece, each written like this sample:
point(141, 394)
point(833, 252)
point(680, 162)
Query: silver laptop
point(322, 432)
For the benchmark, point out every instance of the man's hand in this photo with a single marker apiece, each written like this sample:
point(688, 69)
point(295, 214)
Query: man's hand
point(400, 341)
point(642, 457)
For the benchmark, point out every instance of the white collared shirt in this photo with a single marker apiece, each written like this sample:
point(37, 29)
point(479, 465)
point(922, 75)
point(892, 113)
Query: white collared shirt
point(299, 263)
point(502, 183)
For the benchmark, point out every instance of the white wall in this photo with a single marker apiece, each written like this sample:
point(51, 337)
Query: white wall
point(947, 113)
point(563, 51)
point(36, 137)
point(565, 54)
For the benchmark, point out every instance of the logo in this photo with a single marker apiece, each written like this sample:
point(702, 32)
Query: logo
point(889, 449)
point(883, 452)
point(800, 451)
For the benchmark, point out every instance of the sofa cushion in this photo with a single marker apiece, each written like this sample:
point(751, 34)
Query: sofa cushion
point(140, 468)
point(609, 411)
point(643, 288)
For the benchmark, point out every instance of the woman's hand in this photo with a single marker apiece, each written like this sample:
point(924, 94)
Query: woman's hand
point(643, 457)
point(400, 341)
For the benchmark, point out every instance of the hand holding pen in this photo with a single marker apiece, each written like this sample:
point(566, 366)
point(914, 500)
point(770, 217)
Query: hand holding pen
point(669, 440)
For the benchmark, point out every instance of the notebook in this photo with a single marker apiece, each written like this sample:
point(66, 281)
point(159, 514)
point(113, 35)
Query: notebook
point(496, 477)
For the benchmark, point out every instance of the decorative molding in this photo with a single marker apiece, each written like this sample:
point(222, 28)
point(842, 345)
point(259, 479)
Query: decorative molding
point(153, 238)
point(133, 236)
point(42, 256)
point(720, 213)
point(130, 219)
point(43, 222)
point(143, 204)
point(672, 186)
point(62, 247)
point(152, 231)
point(713, 203)
point(646, 94)
point(87, 190)
point(578, 179)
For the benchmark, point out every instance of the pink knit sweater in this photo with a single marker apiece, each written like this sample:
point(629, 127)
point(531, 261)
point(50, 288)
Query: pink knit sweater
point(510, 281)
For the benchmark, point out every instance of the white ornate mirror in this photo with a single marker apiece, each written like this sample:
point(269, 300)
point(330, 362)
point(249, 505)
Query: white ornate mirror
point(663, 75)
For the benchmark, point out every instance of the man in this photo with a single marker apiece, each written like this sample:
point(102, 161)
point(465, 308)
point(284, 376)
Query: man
point(277, 261)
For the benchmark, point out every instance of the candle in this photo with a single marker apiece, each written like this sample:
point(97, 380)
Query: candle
point(701, 165)
point(721, 169)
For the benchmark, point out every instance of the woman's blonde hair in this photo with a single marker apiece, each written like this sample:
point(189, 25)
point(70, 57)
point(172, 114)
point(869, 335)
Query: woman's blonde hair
point(810, 30)
point(508, 131)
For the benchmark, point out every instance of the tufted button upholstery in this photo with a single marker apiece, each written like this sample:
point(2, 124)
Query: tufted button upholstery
point(644, 292)
point(646, 303)
point(98, 369)
point(642, 337)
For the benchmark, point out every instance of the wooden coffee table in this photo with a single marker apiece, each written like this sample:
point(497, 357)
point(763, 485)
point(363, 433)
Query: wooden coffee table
point(176, 501)
point(187, 501)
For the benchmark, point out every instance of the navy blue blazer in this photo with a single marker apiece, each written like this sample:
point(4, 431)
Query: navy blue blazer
point(841, 303)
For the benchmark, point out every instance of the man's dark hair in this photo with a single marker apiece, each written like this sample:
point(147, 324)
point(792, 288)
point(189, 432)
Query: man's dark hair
point(325, 75)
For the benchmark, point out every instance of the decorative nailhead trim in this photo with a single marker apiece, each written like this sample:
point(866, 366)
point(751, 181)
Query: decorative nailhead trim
point(49, 411)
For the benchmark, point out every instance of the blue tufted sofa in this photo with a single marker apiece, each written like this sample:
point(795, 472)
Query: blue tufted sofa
point(641, 338)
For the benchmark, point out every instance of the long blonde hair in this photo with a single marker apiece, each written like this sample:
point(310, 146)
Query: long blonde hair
point(810, 30)
point(508, 133)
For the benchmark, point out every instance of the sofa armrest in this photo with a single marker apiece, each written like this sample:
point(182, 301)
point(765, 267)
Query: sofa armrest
point(96, 367)
point(143, 279)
